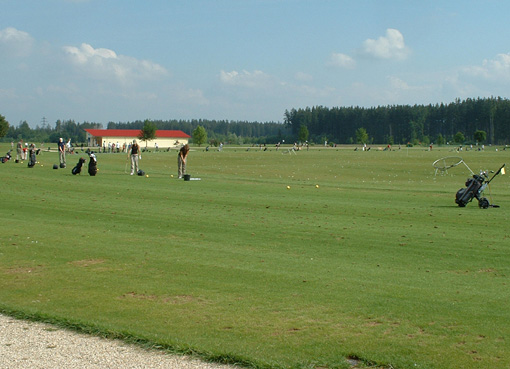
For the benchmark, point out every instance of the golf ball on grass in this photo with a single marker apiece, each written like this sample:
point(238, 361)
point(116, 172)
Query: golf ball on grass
point(147, 175)
point(316, 186)
point(288, 187)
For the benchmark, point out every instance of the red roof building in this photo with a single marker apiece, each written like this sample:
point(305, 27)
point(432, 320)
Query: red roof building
point(164, 138)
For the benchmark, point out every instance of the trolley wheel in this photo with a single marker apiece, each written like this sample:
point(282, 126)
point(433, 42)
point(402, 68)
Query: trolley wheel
point(483, 203)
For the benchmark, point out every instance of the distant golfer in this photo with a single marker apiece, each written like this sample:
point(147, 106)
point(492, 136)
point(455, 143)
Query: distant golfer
point(19, 151)
point(62, 152)
point(134, 152)
point(181, 160)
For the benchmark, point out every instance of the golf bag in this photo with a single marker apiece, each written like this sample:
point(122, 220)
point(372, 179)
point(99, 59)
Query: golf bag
point(474, 190)
point(92, 164)
point(6, 158)
point(32, 159)
point(77, 169)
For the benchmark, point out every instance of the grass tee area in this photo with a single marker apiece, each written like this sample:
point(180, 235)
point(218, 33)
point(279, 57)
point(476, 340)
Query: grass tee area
point(376, 263)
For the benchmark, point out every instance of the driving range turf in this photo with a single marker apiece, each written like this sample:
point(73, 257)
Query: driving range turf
point(376, 264)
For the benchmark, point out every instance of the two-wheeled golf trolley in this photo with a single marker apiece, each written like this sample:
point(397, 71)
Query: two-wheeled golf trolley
point(475, 185)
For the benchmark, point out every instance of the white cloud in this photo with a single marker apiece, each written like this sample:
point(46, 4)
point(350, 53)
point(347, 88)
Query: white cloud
point(15, 43)
point(255, 79)
point(342, 61)
point(398, 84)
point(390, 46)
point(105, 64)
point(304, 77)
point(497, 69)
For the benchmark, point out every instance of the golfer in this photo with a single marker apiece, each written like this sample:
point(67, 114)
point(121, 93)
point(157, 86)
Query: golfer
point(181, 160)
point(62, 152)
point(134, 152)
point(19, 151)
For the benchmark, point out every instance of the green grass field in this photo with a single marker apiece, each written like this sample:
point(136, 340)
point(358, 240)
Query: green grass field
point(376, 264)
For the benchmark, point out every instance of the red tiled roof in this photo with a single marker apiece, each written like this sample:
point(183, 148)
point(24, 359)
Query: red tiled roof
point(160, 133)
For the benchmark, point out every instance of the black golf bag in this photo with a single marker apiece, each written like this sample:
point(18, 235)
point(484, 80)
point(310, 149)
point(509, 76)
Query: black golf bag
point(92, 165)
point(474, 190)
point(31, 158)
point(77, 169)
point(6, 158)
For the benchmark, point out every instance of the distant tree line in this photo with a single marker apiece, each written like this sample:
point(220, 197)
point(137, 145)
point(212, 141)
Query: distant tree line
point(402, 124)
point(480, 120)
point(232, 132)
point(46, 134)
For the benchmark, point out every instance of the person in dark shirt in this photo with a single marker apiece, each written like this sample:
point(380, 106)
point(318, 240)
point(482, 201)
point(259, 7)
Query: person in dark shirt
point(134, 152)
point(62, 152)
point(181, 160)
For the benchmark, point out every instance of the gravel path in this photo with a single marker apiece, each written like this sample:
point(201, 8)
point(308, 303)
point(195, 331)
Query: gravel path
point(31, 345)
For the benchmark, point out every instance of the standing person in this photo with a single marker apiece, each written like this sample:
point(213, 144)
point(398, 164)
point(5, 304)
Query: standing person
point(134, 152)
point(62, 152)
point(181, 160)
point(19, 151)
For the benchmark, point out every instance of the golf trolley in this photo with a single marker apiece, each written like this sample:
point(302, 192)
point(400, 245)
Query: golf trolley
point(6, 158)
point(475, 185)
point(474, 189)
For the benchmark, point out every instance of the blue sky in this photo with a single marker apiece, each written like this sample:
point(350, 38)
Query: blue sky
point(123, 60)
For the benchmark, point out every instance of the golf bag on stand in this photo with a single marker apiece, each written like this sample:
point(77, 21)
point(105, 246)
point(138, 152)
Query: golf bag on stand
point(77, 169)
point(474, 189)
point(32, 160)
point(92, 164)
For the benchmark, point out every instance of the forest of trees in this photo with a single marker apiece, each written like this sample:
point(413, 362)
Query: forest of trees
point(402, 124)
point(460, 121)
point(235, 132)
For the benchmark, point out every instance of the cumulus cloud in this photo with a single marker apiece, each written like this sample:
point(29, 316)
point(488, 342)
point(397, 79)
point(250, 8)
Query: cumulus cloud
point(15, 43)
point(341, 60)
point(255, 79)
point(107, 64)
point(497, 69)
point(389, 46)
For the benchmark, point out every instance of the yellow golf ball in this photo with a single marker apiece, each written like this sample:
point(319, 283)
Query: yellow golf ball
point(288, 187)
point(316, 186)
point(147, 175)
